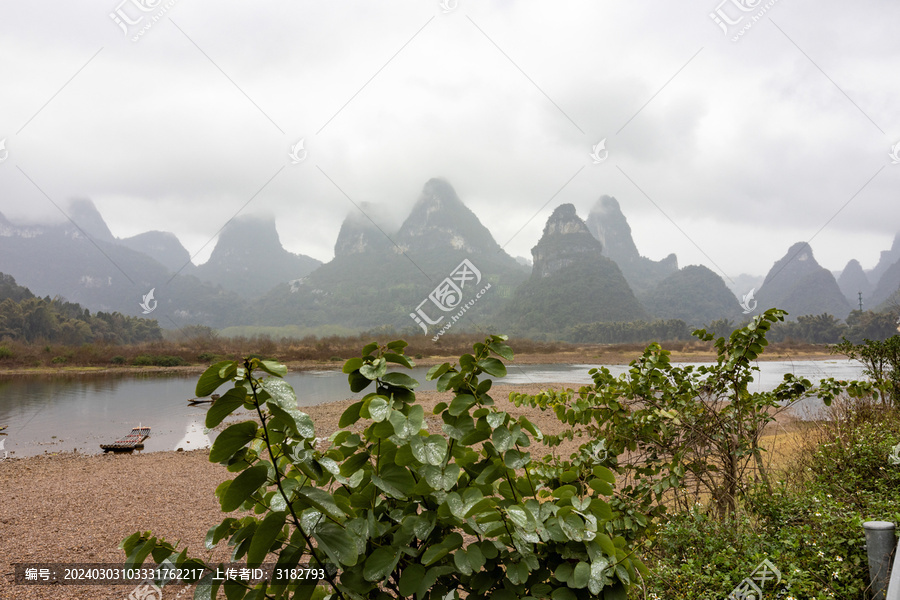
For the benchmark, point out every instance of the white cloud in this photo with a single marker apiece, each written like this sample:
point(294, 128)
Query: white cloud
point(749, 149)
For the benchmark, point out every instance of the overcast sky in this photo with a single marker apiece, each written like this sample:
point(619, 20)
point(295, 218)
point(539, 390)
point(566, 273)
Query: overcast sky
point(724, 152)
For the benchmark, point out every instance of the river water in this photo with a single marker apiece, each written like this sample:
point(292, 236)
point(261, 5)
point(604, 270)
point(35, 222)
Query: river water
point(61, 414)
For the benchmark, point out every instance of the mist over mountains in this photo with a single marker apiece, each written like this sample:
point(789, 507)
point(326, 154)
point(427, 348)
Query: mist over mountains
point(441, 268)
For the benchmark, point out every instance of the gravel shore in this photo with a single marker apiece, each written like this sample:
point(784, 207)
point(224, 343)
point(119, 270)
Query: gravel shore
point(75, 508)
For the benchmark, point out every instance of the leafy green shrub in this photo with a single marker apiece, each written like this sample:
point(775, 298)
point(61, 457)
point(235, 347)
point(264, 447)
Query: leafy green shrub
point(6, 353)
point(680, 433)
point(118, 360)
point(882, 362)
point(816, 543)
point(146, 360)
point(207, 357)
point(58, 360)
point(169, 361)
point(390, 510)
point(810, 528)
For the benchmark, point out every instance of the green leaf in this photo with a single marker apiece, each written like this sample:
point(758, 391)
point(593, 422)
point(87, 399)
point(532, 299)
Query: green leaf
point(377, 368)
point(337, 543)
point(229, 402)
point(351, 415)
point(380, 564)
point(397, 345)
point(231, 440)
point(493, 367)
point(394, 481)
point(604, 474)
point(210, 380)
point(243, 486)
point(354, 463)
point(282, 393)
point(400, 380)
point(358, 382)
point(461, 561)
point(580, 576)
point(601, 487)
point(321, 500)
point(595, 583)
point(273, 367)
point(296, 421)
point(264, 537)
point(398, 359)
point(503, 350)
point(377, 407)
point(436, 371)
point(563, 594)
point(461, 403)
point(352, 365)
point(515, 459)
point(217, 532)
point(430, 451)
point(606, 544)
point(520, 517)
point(439, 551)
point(440, 479)
point(475, 557)
point(410, 579)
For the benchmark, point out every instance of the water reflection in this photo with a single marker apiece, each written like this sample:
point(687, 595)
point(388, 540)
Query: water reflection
point(195, 437)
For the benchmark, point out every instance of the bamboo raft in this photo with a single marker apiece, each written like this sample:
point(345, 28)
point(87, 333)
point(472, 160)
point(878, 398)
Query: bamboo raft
point(132, 441)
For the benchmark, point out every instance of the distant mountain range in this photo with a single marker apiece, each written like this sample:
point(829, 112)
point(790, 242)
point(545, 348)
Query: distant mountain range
point(442, 268)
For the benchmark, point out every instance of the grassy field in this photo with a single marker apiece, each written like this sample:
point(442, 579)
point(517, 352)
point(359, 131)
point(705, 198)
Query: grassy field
point(311, 352)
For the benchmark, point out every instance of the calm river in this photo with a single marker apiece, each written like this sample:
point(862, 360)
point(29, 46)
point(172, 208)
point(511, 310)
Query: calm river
point(62, 414)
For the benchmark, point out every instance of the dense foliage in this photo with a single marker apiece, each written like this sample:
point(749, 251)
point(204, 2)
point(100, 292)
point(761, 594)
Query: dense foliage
point(389, 509)
point(683, 432)
point(614, 332)
point(827, 329)
point(693, 294)
point(882, 364)
point(28, 318)
point(809, 524)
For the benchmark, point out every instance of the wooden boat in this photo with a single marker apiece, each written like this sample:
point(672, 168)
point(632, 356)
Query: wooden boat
point(196, 401)
point(132, 441)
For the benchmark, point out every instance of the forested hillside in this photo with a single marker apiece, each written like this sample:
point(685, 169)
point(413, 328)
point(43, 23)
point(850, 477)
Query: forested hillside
point(25, 317)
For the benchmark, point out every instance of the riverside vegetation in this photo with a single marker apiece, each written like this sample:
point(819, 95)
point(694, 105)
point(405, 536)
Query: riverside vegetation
point(669, 473)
